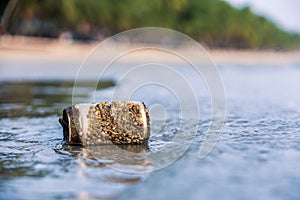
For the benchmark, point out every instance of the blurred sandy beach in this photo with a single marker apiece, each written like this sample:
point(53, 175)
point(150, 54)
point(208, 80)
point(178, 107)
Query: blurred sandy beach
point(18, 49)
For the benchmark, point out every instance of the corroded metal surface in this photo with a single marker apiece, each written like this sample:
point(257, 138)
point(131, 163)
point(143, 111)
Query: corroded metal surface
point(117, 122)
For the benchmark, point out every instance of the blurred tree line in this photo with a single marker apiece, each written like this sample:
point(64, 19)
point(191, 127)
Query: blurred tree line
point(212, 22)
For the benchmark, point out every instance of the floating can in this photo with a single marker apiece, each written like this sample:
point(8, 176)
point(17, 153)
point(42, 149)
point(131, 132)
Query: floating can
point(116, 122)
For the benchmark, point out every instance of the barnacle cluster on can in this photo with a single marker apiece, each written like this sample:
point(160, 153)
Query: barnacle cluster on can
point(117, 122)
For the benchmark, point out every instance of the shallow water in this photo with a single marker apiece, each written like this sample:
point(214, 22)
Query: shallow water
point(257, 155)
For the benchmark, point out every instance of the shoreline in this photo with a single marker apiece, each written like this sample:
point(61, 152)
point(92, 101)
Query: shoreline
point(18, 48)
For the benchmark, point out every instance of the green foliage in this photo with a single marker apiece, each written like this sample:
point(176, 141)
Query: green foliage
point(213, 22)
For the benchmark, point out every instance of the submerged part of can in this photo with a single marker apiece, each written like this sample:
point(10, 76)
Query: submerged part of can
point(117, 122)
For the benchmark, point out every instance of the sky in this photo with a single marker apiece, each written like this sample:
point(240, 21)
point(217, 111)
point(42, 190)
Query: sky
point(285, 13)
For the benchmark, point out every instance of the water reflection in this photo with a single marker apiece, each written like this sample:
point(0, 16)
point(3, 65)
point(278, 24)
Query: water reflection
point(40, 98)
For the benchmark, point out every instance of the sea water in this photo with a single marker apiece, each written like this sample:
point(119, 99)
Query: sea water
point(257, 155)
